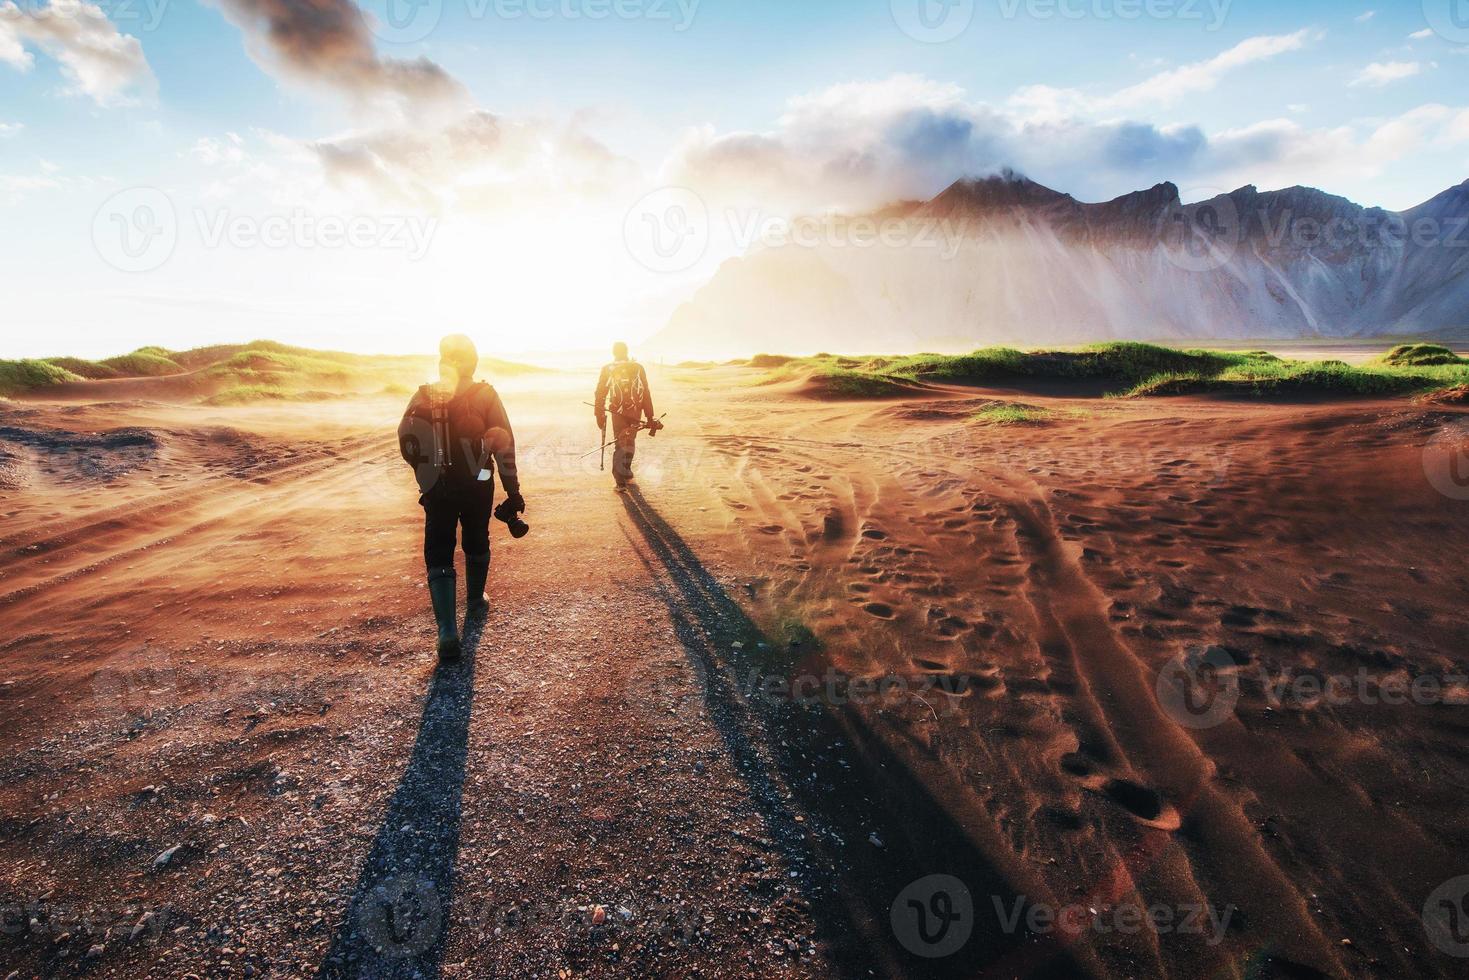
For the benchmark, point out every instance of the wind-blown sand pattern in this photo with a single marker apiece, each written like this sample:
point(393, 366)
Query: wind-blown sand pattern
point(216, 638)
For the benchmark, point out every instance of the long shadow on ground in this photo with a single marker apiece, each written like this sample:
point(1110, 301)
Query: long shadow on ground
point(820, 761)
point(397, 921)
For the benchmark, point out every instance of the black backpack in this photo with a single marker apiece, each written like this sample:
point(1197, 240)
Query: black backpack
point(438, 446)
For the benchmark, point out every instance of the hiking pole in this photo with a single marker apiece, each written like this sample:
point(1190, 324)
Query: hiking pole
point(641, 428)
point(601, 449)
point(604, 445)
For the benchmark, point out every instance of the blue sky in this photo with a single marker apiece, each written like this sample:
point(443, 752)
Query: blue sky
point(520, 140)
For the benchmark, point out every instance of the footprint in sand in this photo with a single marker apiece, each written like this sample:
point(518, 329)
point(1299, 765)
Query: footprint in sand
point(1143, 803)
point(879, 609)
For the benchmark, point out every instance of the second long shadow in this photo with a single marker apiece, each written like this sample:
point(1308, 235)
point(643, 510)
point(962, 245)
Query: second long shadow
point(824, 764)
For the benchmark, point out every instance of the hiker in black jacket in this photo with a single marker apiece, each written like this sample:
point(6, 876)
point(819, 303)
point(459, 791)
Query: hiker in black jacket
point(449, 434)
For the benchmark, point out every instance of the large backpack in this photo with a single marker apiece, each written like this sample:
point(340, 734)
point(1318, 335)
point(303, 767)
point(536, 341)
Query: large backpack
point(626, 390)
point(447, 435)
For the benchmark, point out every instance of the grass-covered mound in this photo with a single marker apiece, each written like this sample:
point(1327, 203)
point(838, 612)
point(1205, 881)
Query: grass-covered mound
point(1420, 355)
point(17, 377)
point(146, 362)
point(262, 370)
point(839, 382)
point(1136, 369)
point(828, 377)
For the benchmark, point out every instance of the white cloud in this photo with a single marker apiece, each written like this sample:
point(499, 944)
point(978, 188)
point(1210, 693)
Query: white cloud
point(478, 163)
point(1422, 35)
point(420, 140)
point(211, 151)
point(15, 188)
point(1381, 73)
point(859, 146)
point(1365, 16)
point(1165, 88)
point(10, 129)
point(99, 61)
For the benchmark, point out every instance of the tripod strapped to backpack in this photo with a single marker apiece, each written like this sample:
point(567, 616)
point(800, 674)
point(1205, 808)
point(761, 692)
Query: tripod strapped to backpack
point(653, 428)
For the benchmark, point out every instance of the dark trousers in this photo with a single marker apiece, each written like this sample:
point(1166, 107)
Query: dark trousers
point(625, 438)
point(449, 507)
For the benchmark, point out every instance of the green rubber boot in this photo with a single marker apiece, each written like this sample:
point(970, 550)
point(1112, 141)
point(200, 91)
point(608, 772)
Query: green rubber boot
point(476, 571)
point(442, 587)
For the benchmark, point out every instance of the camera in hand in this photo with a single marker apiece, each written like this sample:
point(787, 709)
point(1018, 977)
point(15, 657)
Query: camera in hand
point(511, 519)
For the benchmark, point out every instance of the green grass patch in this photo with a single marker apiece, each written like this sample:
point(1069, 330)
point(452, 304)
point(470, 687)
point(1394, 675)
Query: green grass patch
point(250, 394)
point(797, 636)
point(1130, 369)
point(1005, 413)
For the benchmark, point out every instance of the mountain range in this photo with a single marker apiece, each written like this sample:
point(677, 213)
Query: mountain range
point(1003, 259)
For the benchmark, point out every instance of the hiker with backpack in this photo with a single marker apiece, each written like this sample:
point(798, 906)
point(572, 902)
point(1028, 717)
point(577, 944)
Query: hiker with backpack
point(448, 434)
point(623, 393)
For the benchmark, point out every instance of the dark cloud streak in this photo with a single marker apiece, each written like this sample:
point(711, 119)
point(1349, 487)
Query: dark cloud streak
point(328, 42)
